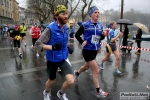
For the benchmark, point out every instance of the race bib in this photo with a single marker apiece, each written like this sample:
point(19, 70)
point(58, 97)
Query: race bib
point(95, 39)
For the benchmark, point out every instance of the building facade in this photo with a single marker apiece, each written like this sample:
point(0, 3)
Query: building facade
point(8, 11)
point(15, 11)
point(27, 17)
point(21, 15)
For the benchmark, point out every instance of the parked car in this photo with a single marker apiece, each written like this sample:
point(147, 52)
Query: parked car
point(144, 37)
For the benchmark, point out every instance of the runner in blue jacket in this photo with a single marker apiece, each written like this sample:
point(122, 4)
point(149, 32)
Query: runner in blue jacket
point(92, 32)
point(54, 40)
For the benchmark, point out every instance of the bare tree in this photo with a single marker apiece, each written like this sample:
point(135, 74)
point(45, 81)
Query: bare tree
point(133, 15)
point(38, 8)
point(72, 8)
point(87, 3)
point(53, 3)
point(44, 9)
point(71, 4)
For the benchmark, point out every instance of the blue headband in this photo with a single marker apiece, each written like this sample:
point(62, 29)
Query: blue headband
point(92, 10)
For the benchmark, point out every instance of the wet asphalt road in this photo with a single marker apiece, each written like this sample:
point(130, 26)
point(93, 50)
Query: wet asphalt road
point(24, 79)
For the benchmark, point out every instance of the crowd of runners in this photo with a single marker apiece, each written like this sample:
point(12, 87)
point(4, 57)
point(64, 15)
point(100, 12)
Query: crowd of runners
point(17, 35)
point(54, 40)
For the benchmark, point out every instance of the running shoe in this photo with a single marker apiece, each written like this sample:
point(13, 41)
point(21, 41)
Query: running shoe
point(20, 55)
point(117, 71)
point(47, 96)
point(59, 70)
point(148, 87)
point(102, 94)
point(31, 46)
point(76, 78)
point(100, 66)
point(37, 55)
point(62, 97)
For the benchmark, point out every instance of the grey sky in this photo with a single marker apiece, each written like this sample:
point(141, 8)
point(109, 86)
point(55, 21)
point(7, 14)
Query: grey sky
point(141, 5)
point(22, 3)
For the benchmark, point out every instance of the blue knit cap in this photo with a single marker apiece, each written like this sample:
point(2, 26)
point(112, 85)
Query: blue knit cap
point(92, 10)
point(34, 24)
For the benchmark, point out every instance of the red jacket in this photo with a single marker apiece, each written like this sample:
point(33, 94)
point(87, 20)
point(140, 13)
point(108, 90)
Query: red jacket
point(107, 31)
point(35, 32)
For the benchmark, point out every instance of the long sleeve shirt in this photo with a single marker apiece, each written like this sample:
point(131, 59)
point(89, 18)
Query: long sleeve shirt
point(139, 34)
point(80, 32)
point(44, 38)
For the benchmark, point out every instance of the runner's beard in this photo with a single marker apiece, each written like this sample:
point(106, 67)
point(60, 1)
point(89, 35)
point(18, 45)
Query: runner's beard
point(62, 20)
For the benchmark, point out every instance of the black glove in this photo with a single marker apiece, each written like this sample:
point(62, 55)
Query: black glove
point(70, 50)
point(57, 46)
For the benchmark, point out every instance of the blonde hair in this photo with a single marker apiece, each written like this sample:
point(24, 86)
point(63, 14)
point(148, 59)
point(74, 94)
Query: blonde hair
point(111, 23)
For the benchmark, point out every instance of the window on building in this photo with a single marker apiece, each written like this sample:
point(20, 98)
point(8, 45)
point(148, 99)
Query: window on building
point(7, 4)
point(2, 2)
point(6, 13)
point(3, 12)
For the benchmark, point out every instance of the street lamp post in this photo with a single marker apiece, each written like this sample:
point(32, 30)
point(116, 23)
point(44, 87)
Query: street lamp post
point(121, 15)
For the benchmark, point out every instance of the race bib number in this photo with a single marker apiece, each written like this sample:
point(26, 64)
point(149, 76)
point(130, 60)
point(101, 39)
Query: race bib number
point(95, 39)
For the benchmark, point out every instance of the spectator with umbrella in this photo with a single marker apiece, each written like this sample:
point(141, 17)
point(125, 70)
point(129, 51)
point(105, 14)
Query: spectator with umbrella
point(125, 35)
point(138, 38)
point(141, 28)
point(125, 22)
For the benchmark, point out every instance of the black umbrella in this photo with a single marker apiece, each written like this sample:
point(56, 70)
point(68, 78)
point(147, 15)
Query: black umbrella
point(124, 21)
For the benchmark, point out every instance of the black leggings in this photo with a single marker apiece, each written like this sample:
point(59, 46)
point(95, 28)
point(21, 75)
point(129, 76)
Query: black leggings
point(17, 43)
point(34, 40)
point(53, 66)
point(124, 42)
point(139, 44)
